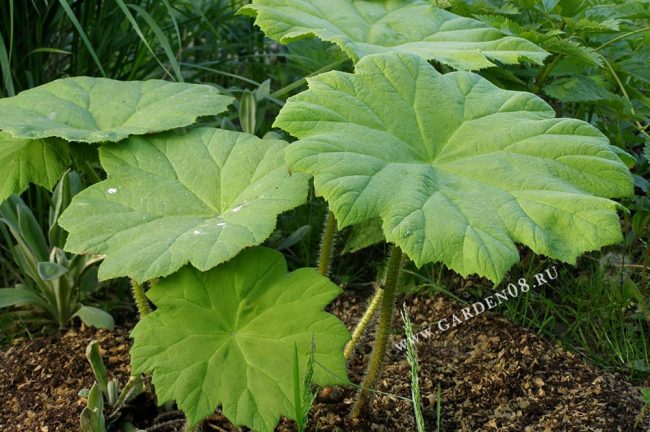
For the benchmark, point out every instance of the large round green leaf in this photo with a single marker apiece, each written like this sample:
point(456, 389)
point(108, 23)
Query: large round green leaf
point(227, 337)
point(458, 169)
point(410, 26)
point(99, 109)
point(22, 161)
point(201, 197)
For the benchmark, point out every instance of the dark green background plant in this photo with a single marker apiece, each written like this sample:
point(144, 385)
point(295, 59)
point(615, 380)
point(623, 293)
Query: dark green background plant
point(51, 282)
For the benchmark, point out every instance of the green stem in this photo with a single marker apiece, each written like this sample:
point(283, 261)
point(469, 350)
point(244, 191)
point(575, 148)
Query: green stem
point(296, 84)
point(543, 74)
point(625, 95)
point(640, 416)
point(327, 244)
point(140, 298)
point(644, 273)
point(623, 36)
point(364, 322)
point(376, 363)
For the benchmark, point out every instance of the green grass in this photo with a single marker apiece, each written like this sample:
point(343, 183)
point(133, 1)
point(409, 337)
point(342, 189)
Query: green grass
point(185, 40)
point(590, 309)
point(412, 358)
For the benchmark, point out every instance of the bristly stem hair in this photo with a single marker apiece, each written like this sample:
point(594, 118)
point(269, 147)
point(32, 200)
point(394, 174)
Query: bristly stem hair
point(364, 322)
point(376, 363)
point(140, 298)
point(328, 241)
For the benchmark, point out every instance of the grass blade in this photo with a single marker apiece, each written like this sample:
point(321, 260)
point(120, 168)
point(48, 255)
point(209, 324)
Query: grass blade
point(82, 34)
point(162, 39)
point(412, 358)
point(5, 66)
point(138, 30)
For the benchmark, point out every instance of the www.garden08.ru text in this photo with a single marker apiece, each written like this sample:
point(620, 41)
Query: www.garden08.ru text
point(477, 308)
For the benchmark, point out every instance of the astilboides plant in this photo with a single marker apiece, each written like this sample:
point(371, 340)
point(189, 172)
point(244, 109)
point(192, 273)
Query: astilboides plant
point(457, 170)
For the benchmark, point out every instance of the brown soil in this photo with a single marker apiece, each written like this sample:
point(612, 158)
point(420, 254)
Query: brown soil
point(493, 376)
point(40, 379)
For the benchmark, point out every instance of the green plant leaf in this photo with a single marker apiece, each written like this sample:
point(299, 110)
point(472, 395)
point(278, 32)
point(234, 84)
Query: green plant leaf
point(23, 161)
point(95, 317)
point(18, 297)
point(645, 395)
point(625, 157)
point(574, 51)
point(458, 169)
point(226, 337)
point(50, 270)
point(169, 199)
point(636, 65)
point(364, 235)
point(415, 26)
point(629, 9)
point(579, 89)
point(99, 109)
point(591, 26)
point(94, 357)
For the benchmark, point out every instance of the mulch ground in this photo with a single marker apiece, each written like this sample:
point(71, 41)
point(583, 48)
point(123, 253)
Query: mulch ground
point(493, 376)
point(40, 379)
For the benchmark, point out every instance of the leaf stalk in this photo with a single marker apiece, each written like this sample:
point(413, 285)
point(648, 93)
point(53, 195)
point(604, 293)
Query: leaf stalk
point(376, 363)
point(140, 298)
point(367, 317)
point(327, 244)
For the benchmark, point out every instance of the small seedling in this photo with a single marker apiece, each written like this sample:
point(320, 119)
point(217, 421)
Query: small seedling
point(645, 397)
point(53, 282)
point(105, 392)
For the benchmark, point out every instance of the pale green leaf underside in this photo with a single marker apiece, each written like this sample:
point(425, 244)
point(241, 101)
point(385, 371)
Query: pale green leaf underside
point(169, 199)
point(226, 337)
point(364, 235)
point(458, 169)
point(99, 109)
point(414, 26)
point(22, 162)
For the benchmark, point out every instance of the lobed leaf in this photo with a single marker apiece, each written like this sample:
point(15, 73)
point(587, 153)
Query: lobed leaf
point(22, 161)
point(226, 337)
point(363, 27)
point(574, 51)
point(100, 110)
point(579, 89)
point(200, 197)
point(457, 169)
point(629, 9)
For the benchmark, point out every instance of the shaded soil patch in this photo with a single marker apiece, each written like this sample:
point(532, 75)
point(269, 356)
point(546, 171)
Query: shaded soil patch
point(493, 376)
point(40, 379)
